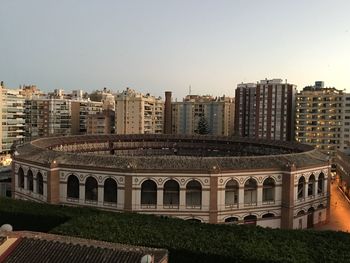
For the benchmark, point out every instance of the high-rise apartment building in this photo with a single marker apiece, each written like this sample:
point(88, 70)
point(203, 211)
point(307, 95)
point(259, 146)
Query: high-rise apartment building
point(11, 117)
point(101, 123)
point(138, 113)
point(320, 116)
point(80, 111)
point(265, 110)
point(218, 113)
point(47, 117)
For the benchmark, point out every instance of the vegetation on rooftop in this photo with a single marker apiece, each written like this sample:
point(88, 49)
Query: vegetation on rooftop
point(186, 241)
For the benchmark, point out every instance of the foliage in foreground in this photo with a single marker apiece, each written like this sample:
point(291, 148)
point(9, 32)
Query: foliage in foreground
point(186, 241)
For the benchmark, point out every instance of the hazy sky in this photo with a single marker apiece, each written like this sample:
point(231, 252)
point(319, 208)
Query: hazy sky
point(153, 46)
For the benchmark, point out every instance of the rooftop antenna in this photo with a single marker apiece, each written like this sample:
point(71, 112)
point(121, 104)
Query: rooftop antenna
point(189, 90)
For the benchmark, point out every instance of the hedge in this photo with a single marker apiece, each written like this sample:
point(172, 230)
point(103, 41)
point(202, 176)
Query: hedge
point(186, 241)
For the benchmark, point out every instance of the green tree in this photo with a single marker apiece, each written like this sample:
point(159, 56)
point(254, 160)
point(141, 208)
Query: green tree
point(203, 126)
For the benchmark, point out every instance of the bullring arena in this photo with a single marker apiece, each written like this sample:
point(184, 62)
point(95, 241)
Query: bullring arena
point(200, 178)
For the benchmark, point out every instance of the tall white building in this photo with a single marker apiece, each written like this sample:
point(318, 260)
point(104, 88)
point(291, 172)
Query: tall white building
point(322, 118)
point(12, 118)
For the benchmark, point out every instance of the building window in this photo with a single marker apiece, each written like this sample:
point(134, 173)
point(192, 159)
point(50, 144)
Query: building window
point(73, 187)
point(110, 190)
point(171, 193)
point(250, 190)
point(250, 220)
point(268, 215)
point(231, 220)
point(231, 193)
point(269, 190)
point(193, 194)
point(311, 185)
point(20, 178)
point(320, 187)
point(149, 193)
point(39, 184)
point(30, 180)
point(91, 193)
point(301, 187)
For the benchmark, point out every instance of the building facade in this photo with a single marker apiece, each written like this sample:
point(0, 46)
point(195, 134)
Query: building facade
point(12, 118)
point(265, 110)
point(271, 184)
point(320, 118)
point(136, 113)
point(80, 112)
point(218, 112)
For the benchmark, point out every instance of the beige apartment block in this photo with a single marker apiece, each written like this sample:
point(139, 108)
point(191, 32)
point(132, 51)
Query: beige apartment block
point(80, 112)
point(138, 113)
point(218, 112)
point(101, 123)
point(319, 117)
point(11, 117)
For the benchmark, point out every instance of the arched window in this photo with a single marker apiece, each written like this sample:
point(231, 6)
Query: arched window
point(231, 193)
point(231, 220)
point(91, 189)
point(149, 193)
point(171, 193)
point(39, 184)
point(301, 187)
point(30, 180)
point(268, 215)
point(311, 185)
point(250, 188)
point(250, 220)
point(311, 210)
point(20, 178)
point(110, 190)
point(193, 194)
point(300, 213)
point(269, 190)
point(320, 186)
point(73, 187)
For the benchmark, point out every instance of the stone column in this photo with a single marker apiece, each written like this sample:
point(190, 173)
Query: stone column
point(288, 192)
point(182, 200)
point(128, 191)
point(100, 195)
point(53, 184)
point(159, 198)
point(81, 193)
point(316, 188)
point(241, 197)
point(259, 195)
point(213, 199)
point(305, 189)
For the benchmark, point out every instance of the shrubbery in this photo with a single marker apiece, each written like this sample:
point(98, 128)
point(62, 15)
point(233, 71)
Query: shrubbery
point(186, 241)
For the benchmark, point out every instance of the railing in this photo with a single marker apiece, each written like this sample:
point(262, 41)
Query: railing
point(193, 206)
point(173, 206)
point(148, 206)
point(110, 204)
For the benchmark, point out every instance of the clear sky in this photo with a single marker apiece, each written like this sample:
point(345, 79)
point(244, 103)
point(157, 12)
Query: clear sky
point(153, 46)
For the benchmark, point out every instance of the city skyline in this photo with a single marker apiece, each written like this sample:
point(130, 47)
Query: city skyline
point(157, 46)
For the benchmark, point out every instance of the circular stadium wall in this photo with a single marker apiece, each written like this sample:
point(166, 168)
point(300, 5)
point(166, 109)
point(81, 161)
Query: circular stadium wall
point(202, 178)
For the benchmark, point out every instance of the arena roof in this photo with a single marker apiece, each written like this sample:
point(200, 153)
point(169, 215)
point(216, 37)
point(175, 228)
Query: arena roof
point(241, 153)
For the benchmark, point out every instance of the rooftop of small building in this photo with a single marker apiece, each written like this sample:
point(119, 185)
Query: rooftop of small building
point(32, 247)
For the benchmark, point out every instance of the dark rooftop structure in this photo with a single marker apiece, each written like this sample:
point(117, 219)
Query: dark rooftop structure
point(33, 247)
